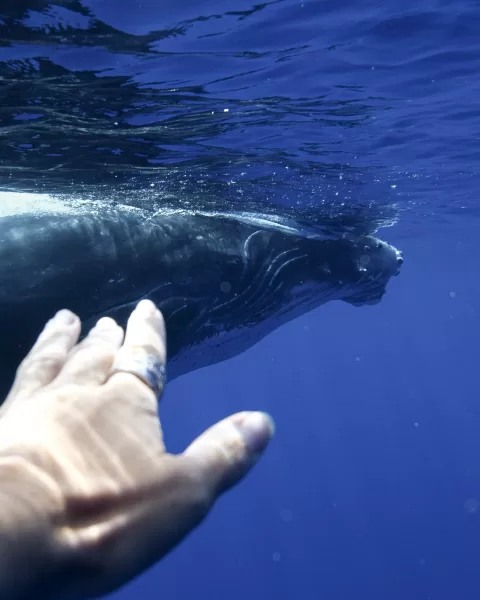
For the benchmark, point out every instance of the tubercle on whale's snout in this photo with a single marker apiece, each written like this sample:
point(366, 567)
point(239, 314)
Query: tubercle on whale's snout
point(378, 256)
point(395, 257)
point(399, 258)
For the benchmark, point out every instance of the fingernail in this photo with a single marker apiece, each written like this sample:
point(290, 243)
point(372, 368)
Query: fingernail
point(257, 430)
point(63, 317)
point(105, 323)
point(146, 308)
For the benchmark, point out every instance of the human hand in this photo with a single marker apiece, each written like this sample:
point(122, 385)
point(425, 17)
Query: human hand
point(85, 448)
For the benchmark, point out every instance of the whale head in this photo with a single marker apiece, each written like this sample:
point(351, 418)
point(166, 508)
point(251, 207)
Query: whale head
point(376, 262)
point(274, 279)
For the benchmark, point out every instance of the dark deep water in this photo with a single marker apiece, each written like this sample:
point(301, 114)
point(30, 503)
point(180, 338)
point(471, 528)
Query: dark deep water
point(318, 112)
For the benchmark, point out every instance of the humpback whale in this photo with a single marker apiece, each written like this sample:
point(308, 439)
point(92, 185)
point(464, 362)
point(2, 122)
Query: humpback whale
point(221, 283)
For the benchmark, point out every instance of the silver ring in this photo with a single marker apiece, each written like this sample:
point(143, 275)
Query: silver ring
point(146, 367)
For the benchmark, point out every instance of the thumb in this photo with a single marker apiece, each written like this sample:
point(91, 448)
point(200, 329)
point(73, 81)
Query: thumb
point(225, 452)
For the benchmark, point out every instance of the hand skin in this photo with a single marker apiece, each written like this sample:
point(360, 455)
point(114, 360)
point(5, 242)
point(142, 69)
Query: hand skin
point(89, 497)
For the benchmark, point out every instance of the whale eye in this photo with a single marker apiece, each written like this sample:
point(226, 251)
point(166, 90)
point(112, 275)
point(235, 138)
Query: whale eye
point(379, 244)
point(366, 248)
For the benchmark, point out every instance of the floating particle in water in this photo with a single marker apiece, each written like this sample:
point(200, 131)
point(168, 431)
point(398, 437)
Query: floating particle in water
point(471, 505)
point(276, 556)
point(286, 515)
point(452, 294)
point(225, 286)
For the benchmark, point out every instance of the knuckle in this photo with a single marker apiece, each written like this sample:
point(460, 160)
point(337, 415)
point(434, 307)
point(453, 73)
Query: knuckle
point(51, 359)
point(51, 336)
point(201, 500)
point(200, 495)
point(147, 349)
point(101, 355)
point(106, 331)
point(128, 384)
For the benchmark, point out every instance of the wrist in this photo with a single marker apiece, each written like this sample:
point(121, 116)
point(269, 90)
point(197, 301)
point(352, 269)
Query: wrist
point(31, 510)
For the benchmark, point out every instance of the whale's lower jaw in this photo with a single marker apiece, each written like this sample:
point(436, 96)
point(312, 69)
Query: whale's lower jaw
point(226, 344)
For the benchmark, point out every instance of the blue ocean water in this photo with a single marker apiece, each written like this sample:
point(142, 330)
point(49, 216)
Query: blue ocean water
point(371, 488)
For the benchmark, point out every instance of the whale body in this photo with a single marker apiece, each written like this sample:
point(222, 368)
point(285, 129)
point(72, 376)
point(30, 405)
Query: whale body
point(222, 284)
